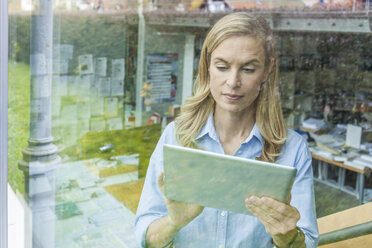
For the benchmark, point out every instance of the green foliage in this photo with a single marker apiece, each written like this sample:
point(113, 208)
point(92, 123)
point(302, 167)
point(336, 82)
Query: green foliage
point(18, 120)
point(19, 37)
point(102, 36)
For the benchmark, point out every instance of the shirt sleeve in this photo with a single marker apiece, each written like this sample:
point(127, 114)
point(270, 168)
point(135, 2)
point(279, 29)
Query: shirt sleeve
point(303, 195)
point(151, 205)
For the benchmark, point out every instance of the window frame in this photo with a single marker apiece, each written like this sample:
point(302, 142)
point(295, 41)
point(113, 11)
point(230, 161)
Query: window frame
point(4, 123)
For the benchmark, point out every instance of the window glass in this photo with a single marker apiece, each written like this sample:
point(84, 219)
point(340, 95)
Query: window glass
point(93, 84)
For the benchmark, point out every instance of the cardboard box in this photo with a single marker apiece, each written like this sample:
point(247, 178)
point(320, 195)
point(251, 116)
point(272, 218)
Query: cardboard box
point(174, 110)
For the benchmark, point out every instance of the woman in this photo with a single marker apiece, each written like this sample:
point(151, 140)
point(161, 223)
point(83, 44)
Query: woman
point(235, 110)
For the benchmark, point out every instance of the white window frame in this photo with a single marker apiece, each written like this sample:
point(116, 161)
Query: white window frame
point(3, 123)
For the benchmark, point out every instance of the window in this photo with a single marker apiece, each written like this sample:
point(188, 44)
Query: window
point(92, 85)
point(3, 122)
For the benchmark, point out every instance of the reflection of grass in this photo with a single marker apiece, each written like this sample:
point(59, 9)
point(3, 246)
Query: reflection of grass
point(116, 171)
point(18, 120)
point(140, 140)
point(127, 193)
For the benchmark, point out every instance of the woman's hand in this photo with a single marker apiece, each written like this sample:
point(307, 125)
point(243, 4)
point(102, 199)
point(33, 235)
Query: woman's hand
point(179, 213)
point(279, 219)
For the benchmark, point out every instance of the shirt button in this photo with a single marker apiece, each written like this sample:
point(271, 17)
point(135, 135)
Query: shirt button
point(223, 213)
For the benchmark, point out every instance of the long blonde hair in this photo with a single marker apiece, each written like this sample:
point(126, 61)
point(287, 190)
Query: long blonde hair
point(269, 117)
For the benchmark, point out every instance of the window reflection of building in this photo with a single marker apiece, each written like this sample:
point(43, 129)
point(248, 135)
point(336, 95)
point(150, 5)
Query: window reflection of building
point(312, 47)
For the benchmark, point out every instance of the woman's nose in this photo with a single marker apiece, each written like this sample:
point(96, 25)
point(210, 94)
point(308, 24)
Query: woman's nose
point(233, 80)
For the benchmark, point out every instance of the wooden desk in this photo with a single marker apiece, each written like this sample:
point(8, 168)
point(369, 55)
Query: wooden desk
point(323, 175)
point(322, 131)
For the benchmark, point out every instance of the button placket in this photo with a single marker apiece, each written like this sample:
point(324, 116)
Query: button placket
point(221, 228)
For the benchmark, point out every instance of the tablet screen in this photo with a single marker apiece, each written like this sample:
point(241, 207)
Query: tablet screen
point(222, 181)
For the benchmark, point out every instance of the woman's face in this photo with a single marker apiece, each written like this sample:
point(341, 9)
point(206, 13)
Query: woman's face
point(236, 72)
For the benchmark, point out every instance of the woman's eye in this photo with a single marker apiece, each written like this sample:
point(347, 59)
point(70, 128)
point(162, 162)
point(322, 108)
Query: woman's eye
point(248, 70)
point(221, 68)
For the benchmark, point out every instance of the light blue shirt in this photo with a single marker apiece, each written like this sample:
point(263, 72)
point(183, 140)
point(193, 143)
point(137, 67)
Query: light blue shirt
point(215, 228)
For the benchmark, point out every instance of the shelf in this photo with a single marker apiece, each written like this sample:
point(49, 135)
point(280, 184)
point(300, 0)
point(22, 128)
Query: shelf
point(301, 21)
point(343, 109)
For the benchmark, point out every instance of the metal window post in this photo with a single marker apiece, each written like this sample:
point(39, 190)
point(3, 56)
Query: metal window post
point(140, 62)
point(40, 158)
point(3, 124)
point(188, 67)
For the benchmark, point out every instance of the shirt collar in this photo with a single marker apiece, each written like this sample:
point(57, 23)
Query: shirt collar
point(209, 129)
point(255, 133)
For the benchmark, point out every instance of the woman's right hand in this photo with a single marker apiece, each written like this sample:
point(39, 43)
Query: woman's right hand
point(179, 213)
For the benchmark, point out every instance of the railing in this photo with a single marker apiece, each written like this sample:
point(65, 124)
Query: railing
point(349, 228)
point(346, 233)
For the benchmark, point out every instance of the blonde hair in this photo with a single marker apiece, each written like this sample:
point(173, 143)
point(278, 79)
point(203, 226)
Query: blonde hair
point(269, 117)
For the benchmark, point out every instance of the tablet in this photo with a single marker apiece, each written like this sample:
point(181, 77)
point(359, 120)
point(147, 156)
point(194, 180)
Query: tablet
point(222, 181)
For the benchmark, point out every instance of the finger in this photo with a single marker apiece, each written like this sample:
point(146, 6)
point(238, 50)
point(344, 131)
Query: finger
point(255, 204)
point(272, 225)
point(274, 222)
point(269, 223)
point(263, 216)
point(279, 208)
point(286, 215)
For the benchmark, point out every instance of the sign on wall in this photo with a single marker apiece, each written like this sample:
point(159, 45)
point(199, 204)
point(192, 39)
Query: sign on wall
point(162, 70)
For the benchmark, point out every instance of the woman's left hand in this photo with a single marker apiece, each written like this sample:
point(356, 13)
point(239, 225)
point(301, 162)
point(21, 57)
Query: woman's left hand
point(279, 218)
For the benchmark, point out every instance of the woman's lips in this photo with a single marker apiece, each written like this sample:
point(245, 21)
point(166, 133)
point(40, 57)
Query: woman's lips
point(232, 97)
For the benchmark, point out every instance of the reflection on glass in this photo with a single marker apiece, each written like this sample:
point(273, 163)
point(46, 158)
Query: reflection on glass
point(73, 81)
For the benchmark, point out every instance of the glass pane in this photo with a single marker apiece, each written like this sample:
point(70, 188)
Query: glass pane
point(93, 85)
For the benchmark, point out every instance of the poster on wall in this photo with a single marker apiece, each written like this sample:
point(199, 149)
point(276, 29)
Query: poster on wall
point(117, 87)
point(83, 107)
point(104, 86)
point(86, 64)
point(162, 70)
point(83, 84)
point(97, 106)
point(101, 66)
point(111, 106)
point(118, 69)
